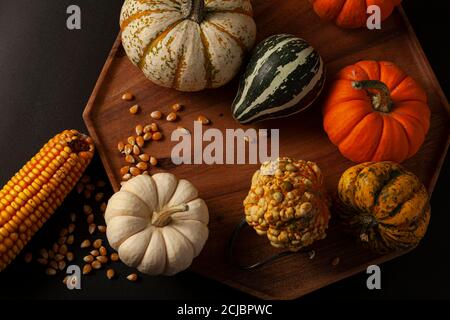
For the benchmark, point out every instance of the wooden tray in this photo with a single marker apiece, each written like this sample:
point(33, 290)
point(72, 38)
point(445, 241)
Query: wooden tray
point(225, 186)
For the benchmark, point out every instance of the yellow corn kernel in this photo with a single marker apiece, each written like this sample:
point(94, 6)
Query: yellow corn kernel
point(10, 226)
point(4, 232)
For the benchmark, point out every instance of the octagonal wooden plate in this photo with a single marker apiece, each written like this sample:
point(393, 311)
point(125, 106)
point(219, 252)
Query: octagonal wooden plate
point(225, 186)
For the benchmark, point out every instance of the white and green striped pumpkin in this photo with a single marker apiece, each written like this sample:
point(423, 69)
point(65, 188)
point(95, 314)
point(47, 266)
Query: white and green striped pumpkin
point(285, 75)
point(188, 45)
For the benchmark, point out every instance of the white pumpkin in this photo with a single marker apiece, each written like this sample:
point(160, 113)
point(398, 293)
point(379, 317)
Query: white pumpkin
point(188, 45)
point(157, 224)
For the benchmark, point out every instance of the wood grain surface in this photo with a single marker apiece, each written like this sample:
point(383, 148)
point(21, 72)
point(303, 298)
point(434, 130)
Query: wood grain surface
point(301, 136)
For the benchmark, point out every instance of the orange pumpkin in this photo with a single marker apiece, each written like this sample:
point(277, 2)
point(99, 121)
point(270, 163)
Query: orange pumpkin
point(376, 112)
point(351, 13)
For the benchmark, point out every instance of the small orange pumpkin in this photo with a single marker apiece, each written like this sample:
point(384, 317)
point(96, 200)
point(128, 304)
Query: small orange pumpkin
point(351, 13)
point(376, 112)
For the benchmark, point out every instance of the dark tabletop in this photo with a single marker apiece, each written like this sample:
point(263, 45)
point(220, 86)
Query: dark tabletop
point(47, 74)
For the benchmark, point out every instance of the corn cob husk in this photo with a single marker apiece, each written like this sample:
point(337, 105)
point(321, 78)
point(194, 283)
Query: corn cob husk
point(39, 188)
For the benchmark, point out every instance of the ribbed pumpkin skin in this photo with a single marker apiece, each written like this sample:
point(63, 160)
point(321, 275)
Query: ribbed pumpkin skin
point(175, 51)
point(364, 134)
point(385, 205)
point(37, 190)
point(351, 13)
point(284, 76)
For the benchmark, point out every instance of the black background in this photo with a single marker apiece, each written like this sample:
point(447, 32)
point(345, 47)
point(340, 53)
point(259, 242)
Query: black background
point(47, 74)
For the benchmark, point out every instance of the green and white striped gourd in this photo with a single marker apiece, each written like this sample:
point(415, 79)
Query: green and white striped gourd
point(285, 75)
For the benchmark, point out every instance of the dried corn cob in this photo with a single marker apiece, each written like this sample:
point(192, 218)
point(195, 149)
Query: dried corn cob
point(34, 193)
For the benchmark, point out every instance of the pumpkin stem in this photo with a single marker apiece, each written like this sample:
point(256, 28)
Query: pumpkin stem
point(163, 218)
point(194, 10)
point(381, 99)
point(367, 222)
